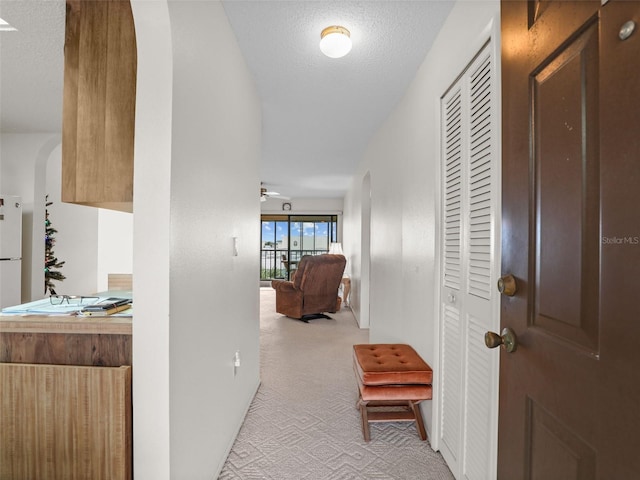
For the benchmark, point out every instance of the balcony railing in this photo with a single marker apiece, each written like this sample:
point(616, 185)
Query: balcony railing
point(273, 266)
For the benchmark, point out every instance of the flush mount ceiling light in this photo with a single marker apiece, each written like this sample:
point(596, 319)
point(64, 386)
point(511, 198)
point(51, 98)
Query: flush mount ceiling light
point(5, 27)
point(335, 41)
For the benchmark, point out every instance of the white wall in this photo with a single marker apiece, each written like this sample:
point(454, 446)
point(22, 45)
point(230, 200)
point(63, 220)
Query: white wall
point(402, 160)
point(76, 242)
point(92, 242)
point(115, 245)
point(198, 137)
point(152, 200)
point(303, 205)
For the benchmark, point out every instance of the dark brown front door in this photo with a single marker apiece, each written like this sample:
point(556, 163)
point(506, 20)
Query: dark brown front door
point(570, 393)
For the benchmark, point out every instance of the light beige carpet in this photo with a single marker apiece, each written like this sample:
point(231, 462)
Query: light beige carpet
point(303, 422)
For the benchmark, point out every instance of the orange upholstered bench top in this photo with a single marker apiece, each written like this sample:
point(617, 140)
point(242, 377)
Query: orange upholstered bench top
point(390, 364)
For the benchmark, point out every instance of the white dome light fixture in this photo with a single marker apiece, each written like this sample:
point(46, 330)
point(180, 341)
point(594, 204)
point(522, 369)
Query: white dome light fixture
point(335, 41)
point(5, 27)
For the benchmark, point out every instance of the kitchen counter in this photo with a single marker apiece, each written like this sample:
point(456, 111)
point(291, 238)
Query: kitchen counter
point(66, 340)
point(65, 324)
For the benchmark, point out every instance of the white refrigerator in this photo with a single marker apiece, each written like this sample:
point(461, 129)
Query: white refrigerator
point(10, 250)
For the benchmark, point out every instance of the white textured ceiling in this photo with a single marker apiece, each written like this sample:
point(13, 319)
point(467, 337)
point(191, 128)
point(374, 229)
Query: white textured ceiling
point(318, 113)
point(32, 66)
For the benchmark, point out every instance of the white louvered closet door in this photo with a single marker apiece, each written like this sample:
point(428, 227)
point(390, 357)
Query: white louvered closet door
point(470, 263)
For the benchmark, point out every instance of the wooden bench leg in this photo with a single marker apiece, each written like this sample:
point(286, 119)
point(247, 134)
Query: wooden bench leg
point(365, 419)
point(417, 413)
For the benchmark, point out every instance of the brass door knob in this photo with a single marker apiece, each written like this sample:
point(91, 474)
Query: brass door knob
point(507, 285)
point(508, 340)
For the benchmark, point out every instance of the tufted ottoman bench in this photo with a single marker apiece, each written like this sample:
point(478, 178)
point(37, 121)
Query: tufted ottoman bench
point(391, 376)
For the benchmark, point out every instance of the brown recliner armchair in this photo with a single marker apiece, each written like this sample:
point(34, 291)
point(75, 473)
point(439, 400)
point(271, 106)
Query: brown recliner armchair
point(313, 289)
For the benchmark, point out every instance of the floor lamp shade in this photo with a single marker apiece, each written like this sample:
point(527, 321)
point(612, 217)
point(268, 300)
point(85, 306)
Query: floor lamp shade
point(336, 248)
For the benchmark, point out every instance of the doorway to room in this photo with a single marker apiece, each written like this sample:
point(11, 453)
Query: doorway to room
point(285, 239)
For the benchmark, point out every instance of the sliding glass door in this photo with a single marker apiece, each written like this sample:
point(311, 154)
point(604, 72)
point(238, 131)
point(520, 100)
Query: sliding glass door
point(286, 238)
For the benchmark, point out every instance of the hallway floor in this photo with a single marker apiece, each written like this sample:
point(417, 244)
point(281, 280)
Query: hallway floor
point(303, 422)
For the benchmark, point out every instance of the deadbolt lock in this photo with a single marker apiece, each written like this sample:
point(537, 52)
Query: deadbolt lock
point(627, 29)
point(507, 285)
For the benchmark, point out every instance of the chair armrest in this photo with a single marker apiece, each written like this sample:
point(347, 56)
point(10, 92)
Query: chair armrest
point(282, 286)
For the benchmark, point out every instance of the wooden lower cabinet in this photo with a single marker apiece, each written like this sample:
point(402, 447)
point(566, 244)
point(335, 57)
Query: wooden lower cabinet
point(65, 422)
point(65, 398)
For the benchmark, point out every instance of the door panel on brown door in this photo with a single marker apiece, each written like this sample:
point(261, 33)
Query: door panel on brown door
point(556, 451)
point(566, 218)
point(569, 394)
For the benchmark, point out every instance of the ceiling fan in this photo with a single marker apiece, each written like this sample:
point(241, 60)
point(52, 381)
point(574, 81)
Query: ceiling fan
point(266, 193)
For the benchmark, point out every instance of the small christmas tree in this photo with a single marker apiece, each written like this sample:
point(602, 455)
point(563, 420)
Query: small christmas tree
point(51, 263)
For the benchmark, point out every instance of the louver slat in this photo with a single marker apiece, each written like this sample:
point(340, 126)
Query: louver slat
point(480, 188)
point(451, 379)
point(478, 405)
point(452, 189)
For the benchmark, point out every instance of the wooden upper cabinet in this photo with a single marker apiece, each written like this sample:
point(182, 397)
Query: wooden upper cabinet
point(99, 104)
